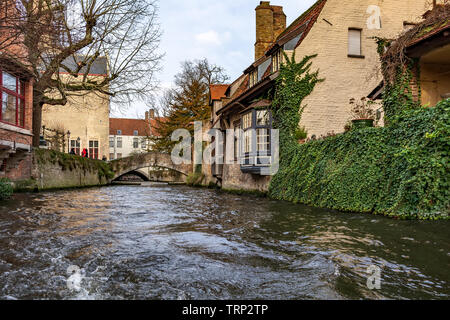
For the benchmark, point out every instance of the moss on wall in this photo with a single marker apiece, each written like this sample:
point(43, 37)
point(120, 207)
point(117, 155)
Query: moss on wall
point(53, 169)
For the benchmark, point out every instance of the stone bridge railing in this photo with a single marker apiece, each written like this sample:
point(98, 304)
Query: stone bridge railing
point(152, 159)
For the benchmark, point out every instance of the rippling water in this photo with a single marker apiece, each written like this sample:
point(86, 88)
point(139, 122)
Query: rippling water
point(175, 242)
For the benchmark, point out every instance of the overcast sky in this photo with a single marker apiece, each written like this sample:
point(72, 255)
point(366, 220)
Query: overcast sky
point(223, 31)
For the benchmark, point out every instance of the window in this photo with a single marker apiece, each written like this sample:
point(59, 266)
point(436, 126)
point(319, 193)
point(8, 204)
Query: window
point(3, 165)
point(136, 133)
point(111, 142)
point(93, 149)
point(135, 143)
point(276, 61)
point(144, 144)
point(255, 141)
point(75, 145)
point(247, 121)
point(119, 142)
point(253, 77)
point(119, 156)
point(263, 141)
point(248, 141)
point(111, 156)
point(12, 96)
point(262, 117)
point(119, 132)
point(237, 139)
point(354, 43)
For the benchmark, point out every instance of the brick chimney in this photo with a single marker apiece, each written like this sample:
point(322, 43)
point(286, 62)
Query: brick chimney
point(270, 23)
point(151, 113)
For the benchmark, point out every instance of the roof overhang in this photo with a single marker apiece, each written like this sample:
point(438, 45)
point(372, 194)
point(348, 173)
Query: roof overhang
point(436, 40)
point(255, 91)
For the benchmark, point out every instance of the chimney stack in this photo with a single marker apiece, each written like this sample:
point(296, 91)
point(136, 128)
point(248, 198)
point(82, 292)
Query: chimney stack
point(151, 113)
point(146, 115)
point(270, 23)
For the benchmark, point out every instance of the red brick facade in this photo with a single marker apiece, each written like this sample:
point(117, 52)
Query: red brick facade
point(16, 95)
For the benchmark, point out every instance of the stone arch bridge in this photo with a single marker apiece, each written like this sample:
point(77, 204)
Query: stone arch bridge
point(151, 159)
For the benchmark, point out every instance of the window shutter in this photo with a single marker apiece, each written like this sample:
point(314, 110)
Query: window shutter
point(354, 42)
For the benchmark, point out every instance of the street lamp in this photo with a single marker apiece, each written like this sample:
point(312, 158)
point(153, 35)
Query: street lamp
point(68, 141)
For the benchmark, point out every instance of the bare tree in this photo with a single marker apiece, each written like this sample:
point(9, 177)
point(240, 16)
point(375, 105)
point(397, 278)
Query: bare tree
point(59, 41)
point(188, 101)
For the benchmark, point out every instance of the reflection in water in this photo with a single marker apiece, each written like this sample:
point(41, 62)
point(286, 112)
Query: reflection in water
point(163, 242)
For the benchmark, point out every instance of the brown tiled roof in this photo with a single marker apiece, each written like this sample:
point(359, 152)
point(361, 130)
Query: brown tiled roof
point(314, 10)
point(128, 126)
point(218, 91)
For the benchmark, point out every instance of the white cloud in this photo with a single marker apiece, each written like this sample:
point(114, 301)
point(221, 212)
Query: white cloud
point(223, 31)
point(211, 37)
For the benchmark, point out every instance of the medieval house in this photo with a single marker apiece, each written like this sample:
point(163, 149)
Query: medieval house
point(341, 33)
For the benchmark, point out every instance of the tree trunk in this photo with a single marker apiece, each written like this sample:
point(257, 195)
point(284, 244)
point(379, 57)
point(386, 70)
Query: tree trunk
point(37, 120)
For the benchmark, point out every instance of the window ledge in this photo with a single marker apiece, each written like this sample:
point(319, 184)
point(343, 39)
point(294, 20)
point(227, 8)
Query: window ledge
point(13, 128)
point(357, 56)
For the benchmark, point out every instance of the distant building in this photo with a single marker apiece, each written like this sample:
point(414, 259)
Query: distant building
point(83, 123)
point(131, 136)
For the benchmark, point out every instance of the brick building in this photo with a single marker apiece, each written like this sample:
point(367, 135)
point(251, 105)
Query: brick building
point(341, 33)
point(16, 98)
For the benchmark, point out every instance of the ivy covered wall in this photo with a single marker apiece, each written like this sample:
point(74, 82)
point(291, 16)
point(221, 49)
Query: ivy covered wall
point(401, 170)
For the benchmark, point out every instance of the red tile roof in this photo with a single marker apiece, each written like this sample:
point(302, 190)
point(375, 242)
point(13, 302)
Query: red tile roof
point(128, 126)
point(218, 91)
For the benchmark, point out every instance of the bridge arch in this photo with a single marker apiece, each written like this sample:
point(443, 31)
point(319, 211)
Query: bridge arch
point(144, 160)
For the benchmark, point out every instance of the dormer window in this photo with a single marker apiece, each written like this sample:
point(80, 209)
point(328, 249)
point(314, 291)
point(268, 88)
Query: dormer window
point(253, 77)
point(276, 61)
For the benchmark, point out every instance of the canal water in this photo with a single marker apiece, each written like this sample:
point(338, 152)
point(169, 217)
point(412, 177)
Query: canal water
point(176, 242)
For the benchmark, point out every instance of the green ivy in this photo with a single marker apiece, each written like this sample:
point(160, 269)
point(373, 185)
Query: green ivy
point(398, 96)
point(400, 171)
point(6, 189)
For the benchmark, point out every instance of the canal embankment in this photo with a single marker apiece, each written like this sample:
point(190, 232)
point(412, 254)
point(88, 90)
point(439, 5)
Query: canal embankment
point(56, 170)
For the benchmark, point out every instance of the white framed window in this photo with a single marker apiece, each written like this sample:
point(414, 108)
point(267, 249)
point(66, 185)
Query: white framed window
point(262, 139)
point(262, 117)
point(253, 77)
point(276, 61)
point(248, 141)
point(93, 149)
point(247, 121)
point(135, 143)
point(119, 132)
point(354, 42)
point(111, 142)
point(135, 133)
point(119, 142)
